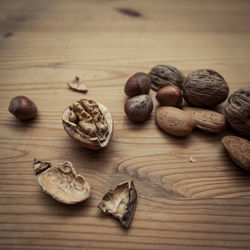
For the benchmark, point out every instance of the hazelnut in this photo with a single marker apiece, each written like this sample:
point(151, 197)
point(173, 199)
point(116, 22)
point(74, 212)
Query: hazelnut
point(137, 84)
point(169, 96)
point(139, 108)
point(22, 108)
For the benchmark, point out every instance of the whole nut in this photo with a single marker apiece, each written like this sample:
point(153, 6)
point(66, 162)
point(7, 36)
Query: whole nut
point(137, 84)
point(205, 88)
point(238, 149)
point(174, 121)
point(138, 108)
point(164, 75)
point(237, 111)
point(22, 108)
point(88, 122)
point(169, 96)
point(207, 120)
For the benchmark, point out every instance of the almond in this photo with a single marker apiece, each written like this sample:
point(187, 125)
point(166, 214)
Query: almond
point(207, 120)
point(174, 121)
point(238, 149)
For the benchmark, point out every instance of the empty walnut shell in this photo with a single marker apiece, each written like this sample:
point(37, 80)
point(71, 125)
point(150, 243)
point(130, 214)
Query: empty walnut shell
point(64, 184)
point(88, 122)
point(164, 75)
point(120, 203)
point(205, 88)
point(237, 111)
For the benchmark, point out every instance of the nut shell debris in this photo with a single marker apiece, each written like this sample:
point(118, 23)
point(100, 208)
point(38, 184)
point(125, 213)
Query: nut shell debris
point(77, 85)
point(88, 122)
point(64, 184)
point(40, 166)
point(120, 203)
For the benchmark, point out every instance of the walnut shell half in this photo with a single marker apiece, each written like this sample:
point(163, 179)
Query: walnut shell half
point(237, 111)
point(64, 184)
point(120, 203)
point(205, 88)
point(88, 122)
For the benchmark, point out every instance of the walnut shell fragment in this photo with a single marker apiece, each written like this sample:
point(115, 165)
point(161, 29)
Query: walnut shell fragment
point(238, 149)
point(237, 111)
point(64, 184)
point(120, 203)
point(77, 85)
point(88, 122)
point(164, 75)
point(40, 166)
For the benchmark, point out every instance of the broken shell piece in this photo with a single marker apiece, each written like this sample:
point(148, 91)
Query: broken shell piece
point(120, 203)
point(88, 122)
point(192, 159)
point(77, 85)
point(64, 184)
point(40, 166)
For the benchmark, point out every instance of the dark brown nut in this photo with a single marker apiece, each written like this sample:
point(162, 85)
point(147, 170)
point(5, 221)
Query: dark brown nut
point(238, 149)
point(205, 88)
point(88, 122)
point(170, 96)
point(64, 184)
point(237, 111)
point(77, 85)
point(22, 108)
point(120, 203)
point(139, 108)
point(164, 75)
point(174, 121)
point(137, 84)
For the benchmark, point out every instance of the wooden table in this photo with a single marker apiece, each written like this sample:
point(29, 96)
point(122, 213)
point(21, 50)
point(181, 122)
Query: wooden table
point(181, 205)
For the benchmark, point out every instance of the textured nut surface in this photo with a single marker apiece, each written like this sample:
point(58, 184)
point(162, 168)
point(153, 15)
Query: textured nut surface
point(22, 108)
point(205, 88)
point(64, 184)
point(169, 96)
point(237, 111)
point(207, 120)
point(139, 108)
point(88, 122)
point(77, 85)
point(120, 203)
point(238, 149)
point(174, 121)
point(164, 75)
point(137, 84)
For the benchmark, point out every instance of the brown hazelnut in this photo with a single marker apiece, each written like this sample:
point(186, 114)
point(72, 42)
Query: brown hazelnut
point(137, 84)
point(139, 108)
point(169, 96)
point(22, 108)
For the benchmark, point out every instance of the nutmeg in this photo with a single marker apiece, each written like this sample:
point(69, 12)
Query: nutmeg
point(139, 108)
point(169, 96)
point(137, 84)
point(22, 108)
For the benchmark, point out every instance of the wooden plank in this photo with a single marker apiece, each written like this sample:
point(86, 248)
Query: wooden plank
point(181, 205)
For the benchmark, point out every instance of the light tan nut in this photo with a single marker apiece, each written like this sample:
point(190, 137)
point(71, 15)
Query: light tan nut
point(40, 166)
point(174, 121)
point(88, 122)
point(120, 203)
point(77, 85)
point(238, 149)
point(64, 184)
point(207, 120)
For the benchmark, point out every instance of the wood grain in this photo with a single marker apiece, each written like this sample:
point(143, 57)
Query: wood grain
point(181, 205)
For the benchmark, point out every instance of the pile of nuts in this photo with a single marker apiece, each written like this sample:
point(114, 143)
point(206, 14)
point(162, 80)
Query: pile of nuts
point(202, 90)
